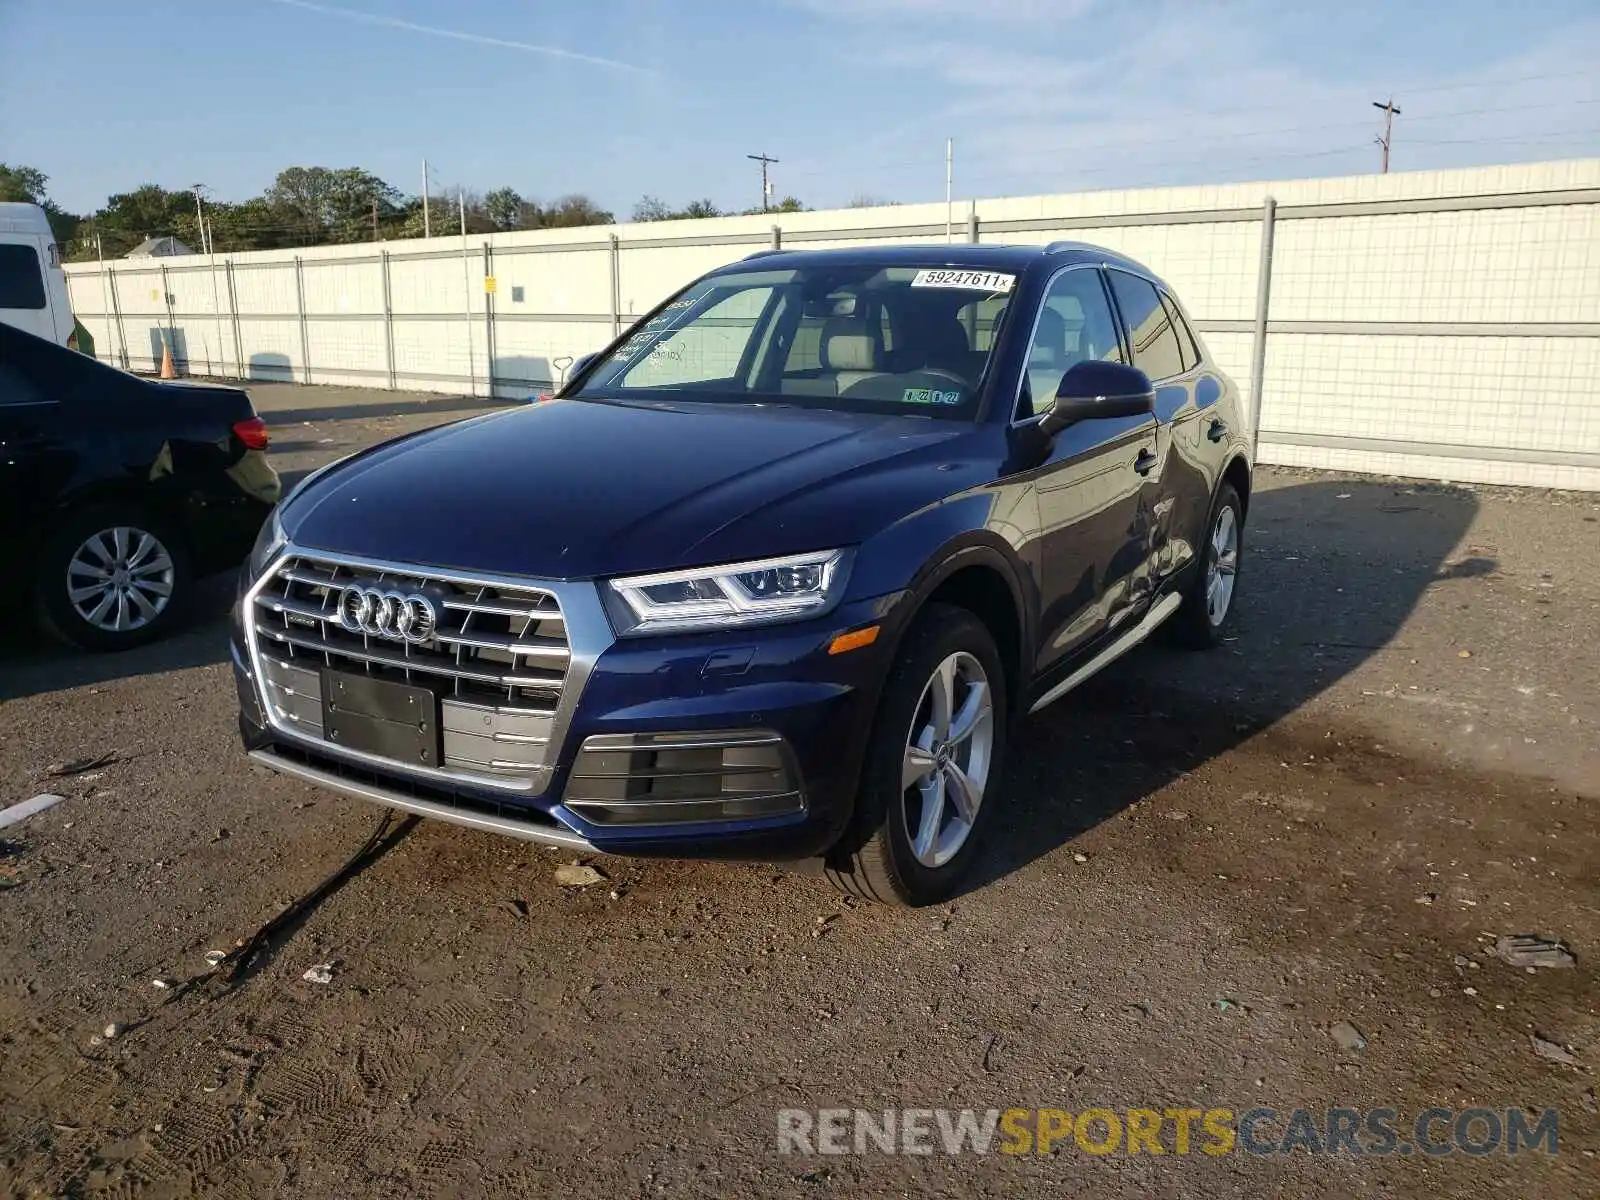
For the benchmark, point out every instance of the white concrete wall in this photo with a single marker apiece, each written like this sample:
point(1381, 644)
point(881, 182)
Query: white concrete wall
point(1501, 385)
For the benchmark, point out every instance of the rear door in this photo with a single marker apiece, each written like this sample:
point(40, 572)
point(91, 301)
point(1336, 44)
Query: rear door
point(1094, 537)
point(1159, 351)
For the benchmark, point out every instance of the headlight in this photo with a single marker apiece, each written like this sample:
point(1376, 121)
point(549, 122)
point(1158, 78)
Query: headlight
point(269, 541)
point(748, 593)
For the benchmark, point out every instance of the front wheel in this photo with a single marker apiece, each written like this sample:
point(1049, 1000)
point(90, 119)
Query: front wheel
point(928, 788)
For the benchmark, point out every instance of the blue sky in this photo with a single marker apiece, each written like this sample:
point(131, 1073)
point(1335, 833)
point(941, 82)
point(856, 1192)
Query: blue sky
point(622, 97)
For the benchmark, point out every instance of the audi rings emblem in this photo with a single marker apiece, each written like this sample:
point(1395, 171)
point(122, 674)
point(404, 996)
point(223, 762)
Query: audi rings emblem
point(398, 616)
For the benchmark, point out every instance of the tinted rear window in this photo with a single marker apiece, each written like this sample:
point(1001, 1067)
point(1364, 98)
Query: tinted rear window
point(21, 277)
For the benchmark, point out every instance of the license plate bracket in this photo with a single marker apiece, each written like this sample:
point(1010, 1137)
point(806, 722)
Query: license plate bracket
point(382, 717)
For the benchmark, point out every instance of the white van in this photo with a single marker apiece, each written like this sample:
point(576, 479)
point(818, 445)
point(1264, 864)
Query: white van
point(33, 287)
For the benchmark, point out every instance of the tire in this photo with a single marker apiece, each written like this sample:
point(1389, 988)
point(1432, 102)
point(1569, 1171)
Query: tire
point(1197, 625)
point(149, 587)
point(891, 854)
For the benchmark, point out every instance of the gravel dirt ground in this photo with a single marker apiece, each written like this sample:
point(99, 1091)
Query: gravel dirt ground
point(1206, 863)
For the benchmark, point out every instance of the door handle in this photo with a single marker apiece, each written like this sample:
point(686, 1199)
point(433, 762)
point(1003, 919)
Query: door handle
point(1145, 463)
point(1217, 430)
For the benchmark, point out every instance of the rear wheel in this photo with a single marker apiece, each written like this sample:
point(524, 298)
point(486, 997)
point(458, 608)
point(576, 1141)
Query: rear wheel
point(112, 578)
point(1208, 602)
point(932, 768)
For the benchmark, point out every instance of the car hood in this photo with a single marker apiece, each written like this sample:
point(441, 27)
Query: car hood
point(581, 489)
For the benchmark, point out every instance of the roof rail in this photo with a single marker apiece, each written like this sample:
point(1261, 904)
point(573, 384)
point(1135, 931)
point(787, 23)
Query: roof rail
point(760, 254)
point(1062, 247)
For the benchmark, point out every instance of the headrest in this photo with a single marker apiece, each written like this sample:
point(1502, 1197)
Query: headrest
point(848, 345)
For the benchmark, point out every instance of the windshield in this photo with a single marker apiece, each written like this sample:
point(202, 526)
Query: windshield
point(870, 338)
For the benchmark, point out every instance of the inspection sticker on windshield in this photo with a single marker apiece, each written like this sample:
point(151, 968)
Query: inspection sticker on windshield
point(977, 281)
point(930, 396)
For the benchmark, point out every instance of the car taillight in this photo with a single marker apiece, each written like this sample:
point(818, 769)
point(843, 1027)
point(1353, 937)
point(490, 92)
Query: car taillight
point(253, 433)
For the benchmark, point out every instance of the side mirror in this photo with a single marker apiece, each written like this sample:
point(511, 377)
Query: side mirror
point(1096, 390)
point(582, 361)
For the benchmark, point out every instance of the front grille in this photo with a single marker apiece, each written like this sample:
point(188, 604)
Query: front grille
point(497, 659)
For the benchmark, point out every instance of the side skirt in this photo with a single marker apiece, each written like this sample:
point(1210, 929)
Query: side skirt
point(1163, 609)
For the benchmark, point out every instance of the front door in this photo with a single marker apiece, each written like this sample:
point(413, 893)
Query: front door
point(1094, 531)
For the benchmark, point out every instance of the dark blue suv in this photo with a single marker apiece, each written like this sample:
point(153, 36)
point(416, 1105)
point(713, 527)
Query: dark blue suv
point(774, 574)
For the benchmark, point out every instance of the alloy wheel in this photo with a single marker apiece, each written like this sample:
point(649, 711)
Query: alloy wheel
point(1222, 565)
point(120, 579)
point(947, 757)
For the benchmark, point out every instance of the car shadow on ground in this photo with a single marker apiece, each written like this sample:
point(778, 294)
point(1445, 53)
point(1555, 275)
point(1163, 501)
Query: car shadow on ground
point(1331, 572)
point(32, 664)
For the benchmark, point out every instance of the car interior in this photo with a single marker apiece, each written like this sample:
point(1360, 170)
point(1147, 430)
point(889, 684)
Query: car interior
point(876, 345)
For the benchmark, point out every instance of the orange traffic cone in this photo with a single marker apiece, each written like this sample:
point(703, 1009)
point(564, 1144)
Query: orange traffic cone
point(166, 361)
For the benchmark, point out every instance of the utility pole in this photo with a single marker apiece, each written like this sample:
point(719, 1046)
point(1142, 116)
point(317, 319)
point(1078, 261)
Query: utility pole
point(466, 278)
point(374, 218)
point(427, 224)
point(766, 188)
point(1390, 112)
point(105, 290)
point(949, 179)
point(199, 217)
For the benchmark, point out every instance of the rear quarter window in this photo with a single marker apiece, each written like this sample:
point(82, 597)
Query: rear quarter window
point(21, 277)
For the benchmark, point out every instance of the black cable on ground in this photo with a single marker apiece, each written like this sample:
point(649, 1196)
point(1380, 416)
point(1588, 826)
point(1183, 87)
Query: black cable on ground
point(234, 968)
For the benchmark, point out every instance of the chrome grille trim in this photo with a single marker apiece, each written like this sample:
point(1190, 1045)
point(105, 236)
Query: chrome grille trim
point(404, 662)
point(518, 677)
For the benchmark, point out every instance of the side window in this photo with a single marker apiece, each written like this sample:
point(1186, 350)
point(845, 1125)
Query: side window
point(707, 350)
point(1186, 343)
point(1075, 325)
point(1155, 345)
point(21, 278)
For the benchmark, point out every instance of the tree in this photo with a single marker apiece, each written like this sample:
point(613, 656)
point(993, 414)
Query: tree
point(333, 205)
point(867, 200)
point(148, 211)
point(649, 208)
point(505, 208)
point(23, 185)
point(26, 185)
point(576, 209)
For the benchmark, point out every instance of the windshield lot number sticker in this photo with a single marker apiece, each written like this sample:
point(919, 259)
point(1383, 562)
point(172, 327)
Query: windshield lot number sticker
point(930, 396)
point(976, 281)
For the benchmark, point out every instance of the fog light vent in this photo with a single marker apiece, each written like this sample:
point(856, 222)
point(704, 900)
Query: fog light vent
point(668, 778)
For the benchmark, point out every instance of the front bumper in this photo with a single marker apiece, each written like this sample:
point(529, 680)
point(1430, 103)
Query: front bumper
point(743, 744)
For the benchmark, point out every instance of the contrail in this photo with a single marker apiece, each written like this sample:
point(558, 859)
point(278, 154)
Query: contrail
point(461, 36)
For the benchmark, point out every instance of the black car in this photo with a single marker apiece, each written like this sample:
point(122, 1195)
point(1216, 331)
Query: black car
point(117, 492)
point(776, 572)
